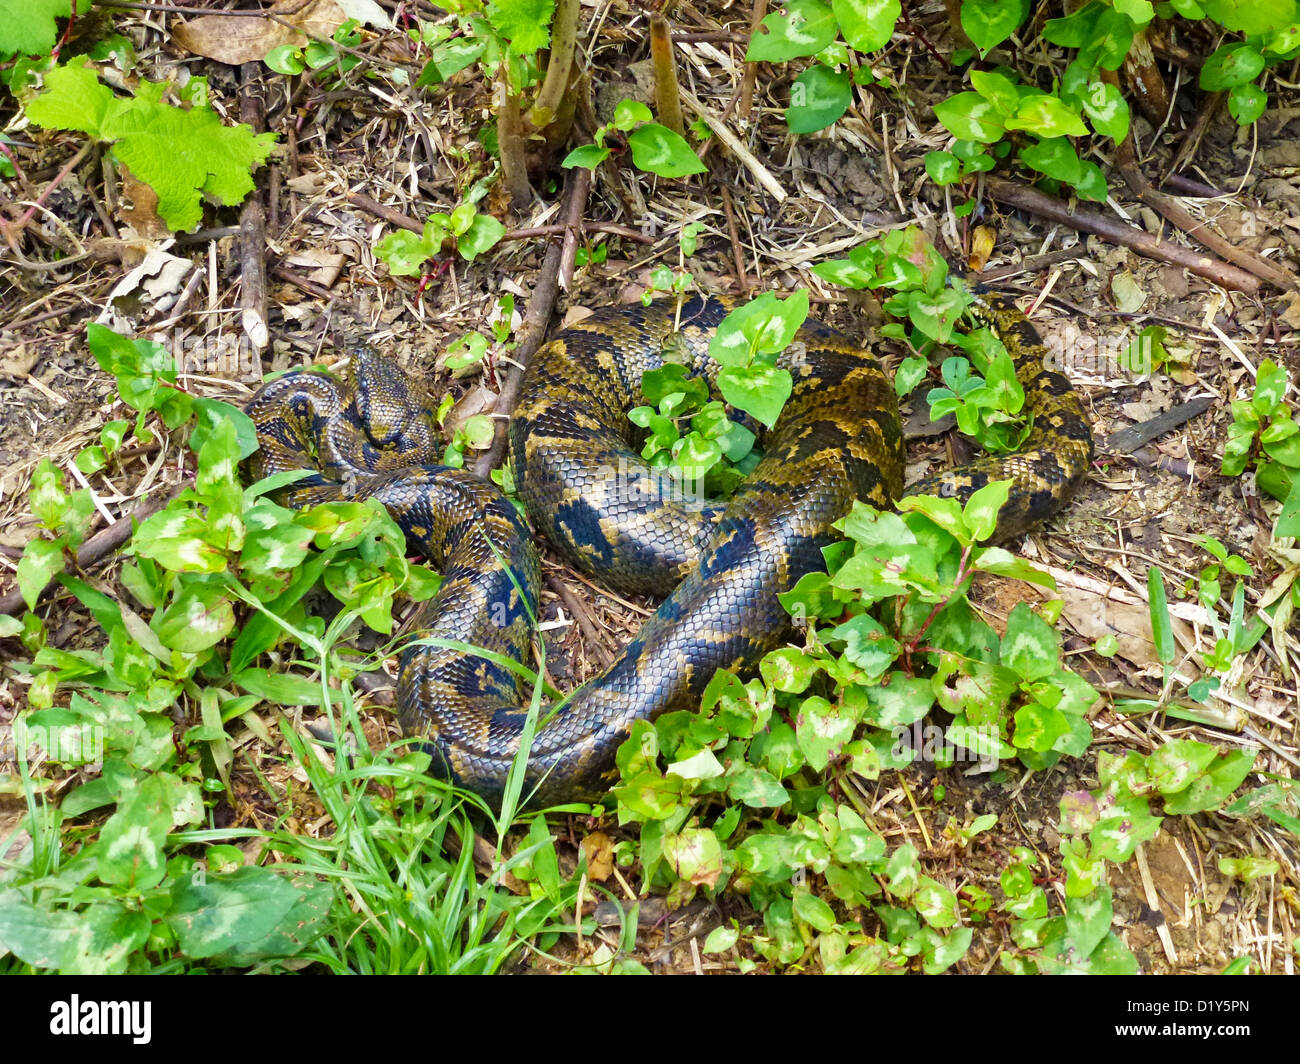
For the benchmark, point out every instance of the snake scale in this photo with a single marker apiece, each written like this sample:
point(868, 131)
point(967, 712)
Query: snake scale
point(579, 474)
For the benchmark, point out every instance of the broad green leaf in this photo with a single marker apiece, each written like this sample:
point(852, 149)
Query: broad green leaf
point(524, 23)
point(42, 560)
point(588, 156)
point(758, 390)
point(483, 234)
point(805, 28)
point(1230, 66)
point(222, 912)
point(658, 150)
point(867, 25)
point(1251, 16)
point(969, 116)
point(990, 22)
point(818, 97)
point(1047, 116)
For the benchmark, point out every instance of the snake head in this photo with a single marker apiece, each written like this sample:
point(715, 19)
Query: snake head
point(394, 409)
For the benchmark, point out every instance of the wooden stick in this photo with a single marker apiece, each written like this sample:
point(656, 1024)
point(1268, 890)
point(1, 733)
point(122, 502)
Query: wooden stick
point(1010, 194)
point(1178, 215)
point(668, 102)
point(541, 304)
point(747, 79)
point(254, 310)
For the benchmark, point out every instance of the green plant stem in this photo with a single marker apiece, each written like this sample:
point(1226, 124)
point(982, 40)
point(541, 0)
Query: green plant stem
point(564, 40)
point(668, 103)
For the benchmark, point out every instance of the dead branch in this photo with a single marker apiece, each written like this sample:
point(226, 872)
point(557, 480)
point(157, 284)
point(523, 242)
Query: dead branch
point(541, 304)
point(1010, 194)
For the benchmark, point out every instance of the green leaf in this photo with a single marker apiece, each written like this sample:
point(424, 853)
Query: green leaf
point(223, 912)
point(1087, 921)
point(1174, 765)
point(758, 390)
point(1231, 65)
point(818, 97)
point(980, 513)
point(940, 952)
point(1047, 116)
point(286, 60)
point(588, 156)
point(1246, 103)
point(1251, 16)
point(694, 855)
point(806, 27)
point(1031, 646)
point(990, 22)
point(130, 847)
point(720, 939)
point(658, 150)
point(42, 560)
point(943, 168)
point(282, 688)
point(867, 25)
point(813, 911)
point(1161, 627)
point(524, 23)
point(183, 155)
point(28, 27)
point(483, 234)
point(95, 941)
point(403, 252)
point(756, 788)
point(822, 730)
point(200, 616)
point(765, 325)
point(969, 116)
point(1212, 789)
point(74, 98)
point(1107, 110)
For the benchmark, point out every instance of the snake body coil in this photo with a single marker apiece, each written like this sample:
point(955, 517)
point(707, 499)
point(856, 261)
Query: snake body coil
point(580, 476)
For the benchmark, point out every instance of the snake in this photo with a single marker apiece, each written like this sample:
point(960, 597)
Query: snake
point(461, 689)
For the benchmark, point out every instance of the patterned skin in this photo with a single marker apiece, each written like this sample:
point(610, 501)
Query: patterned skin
point(579, 474)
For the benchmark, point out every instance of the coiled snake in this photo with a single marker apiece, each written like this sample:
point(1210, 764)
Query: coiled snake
point(579, 473)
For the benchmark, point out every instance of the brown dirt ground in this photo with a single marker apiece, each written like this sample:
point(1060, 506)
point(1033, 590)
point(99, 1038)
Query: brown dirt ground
point(847, 184)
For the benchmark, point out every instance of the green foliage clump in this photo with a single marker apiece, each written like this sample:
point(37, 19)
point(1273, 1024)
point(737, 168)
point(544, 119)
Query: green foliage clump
point(184, 155)
point(129, 872)
point(30, 27)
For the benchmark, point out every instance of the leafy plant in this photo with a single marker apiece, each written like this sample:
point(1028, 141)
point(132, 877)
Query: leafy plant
point(289, 59)
point(980, 389)
point(999, 110)
point(465, 229)
point(888, 636)
point(184, 155)
point(655, 148)
point(30, 27)
point(213, 624)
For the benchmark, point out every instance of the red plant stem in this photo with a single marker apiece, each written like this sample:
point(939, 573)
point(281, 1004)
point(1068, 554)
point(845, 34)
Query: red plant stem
point(962, 573)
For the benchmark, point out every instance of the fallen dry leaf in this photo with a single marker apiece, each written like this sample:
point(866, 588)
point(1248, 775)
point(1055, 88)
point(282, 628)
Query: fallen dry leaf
point(981, 246)
point(237, 40)
point(323, 267)
point(478, 400)
point(233, 40)
point(600, 856)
